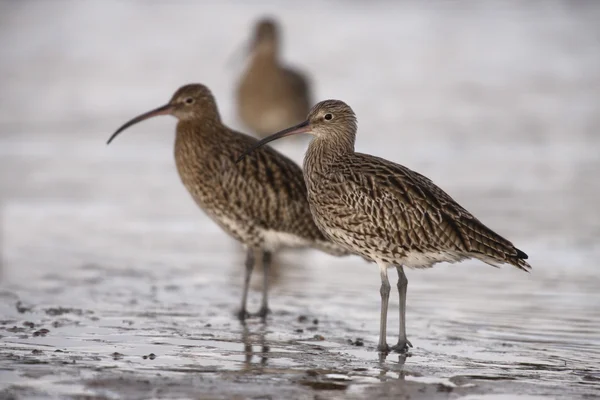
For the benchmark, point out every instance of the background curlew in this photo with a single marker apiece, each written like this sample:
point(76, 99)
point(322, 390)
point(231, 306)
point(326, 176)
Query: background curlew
point(271, 96)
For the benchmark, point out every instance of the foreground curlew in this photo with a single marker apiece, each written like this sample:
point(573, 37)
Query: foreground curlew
point(270, 96)
point(261, 202)
point(386, 212)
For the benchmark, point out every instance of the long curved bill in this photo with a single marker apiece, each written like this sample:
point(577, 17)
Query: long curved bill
point(303, 127)
point(163, 110)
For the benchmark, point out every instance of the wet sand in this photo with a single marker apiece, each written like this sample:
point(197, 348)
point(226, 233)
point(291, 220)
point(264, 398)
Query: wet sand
point(115, 286)
point(126, 332)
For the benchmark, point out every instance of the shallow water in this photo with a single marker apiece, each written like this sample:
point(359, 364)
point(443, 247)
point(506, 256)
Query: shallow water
point(102, 246)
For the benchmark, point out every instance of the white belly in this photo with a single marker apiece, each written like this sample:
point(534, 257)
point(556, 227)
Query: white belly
point(428, 259)
point(274, 240)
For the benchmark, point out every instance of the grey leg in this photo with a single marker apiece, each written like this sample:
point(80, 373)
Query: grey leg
point(385, 297)
point(403, 343)
point(264, 308)
point(243, 313)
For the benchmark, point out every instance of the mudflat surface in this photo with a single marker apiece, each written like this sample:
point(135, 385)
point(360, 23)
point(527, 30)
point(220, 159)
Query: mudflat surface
point(113, 285)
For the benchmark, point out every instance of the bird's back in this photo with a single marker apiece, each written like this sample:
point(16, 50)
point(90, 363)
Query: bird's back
point(386, 211)
point(271, 97)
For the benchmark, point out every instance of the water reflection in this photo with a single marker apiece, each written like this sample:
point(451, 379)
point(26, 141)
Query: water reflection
point(390, 369)
point(255, 340)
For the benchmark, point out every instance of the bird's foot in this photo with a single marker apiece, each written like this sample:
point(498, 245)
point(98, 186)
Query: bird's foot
point(402, 346)
point(263, 312)
point(243, 314)
point(383, 348)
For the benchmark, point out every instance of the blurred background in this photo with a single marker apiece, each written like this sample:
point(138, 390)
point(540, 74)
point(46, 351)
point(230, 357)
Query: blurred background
point(498, 102)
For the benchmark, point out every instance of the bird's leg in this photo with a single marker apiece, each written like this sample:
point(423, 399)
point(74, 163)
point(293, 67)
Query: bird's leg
point(385, 297)
point(403, 343)
point(264, 308)
point(243, 313)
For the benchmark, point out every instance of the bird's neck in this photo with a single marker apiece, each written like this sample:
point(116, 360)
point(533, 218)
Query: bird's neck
point(198, 150)
point(196, 136)
point(325, 153)
point(265, 58)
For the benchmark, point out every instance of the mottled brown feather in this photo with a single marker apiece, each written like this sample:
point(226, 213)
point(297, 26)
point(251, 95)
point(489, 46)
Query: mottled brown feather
point(262, 193)
point(385, 211)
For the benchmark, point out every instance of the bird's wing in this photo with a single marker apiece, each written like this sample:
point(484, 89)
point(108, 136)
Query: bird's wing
point(407, 209)
point(268, 188)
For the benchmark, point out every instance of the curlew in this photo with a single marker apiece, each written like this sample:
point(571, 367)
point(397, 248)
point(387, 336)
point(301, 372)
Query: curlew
point(261, 202)
point(270, 96)
point(385, 212)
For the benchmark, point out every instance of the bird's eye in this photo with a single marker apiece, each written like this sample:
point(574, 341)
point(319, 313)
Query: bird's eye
point(189, 100)
point(328, 117)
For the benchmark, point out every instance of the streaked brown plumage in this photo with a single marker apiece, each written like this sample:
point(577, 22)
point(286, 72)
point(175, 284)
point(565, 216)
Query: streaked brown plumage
point(260, 202)
point(386, 212)
point(271, 96)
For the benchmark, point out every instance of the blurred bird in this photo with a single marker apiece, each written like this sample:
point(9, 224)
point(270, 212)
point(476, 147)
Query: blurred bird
point(261, 202)
point(270, 96)
point(385, 212)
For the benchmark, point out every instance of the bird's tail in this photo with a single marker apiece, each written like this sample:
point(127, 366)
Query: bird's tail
point(490, 247)
point(516, 258)
point(519, 260)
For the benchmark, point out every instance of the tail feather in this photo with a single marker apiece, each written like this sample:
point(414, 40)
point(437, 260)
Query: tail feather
point(497, 260)
point(492, 248)
point(521, 254)
point(520, 261)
